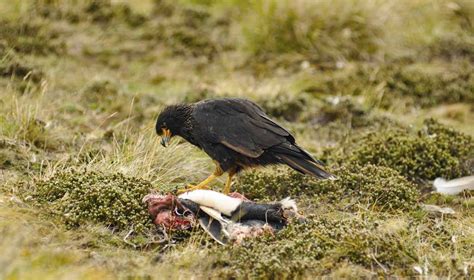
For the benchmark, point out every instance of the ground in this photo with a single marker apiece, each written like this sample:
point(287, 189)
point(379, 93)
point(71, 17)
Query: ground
point(381, 91)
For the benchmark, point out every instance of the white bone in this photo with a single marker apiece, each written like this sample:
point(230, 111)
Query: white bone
point(218, 201)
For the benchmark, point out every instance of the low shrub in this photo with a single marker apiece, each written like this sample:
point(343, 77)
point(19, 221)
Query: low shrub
point(430, 86)
point(372, 186)
point(317, 246)
point(433, 151)
point(90, 197)
point(286, 106)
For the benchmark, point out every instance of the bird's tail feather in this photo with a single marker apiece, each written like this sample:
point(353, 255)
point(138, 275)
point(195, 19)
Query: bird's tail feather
point(306, 166)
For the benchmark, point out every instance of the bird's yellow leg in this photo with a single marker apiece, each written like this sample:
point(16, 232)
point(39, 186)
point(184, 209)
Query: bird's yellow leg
point(203, 185)
point(228, 183)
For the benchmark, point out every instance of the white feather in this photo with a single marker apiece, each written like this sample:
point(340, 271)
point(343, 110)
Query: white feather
point(217, 216)
point(220, 202)
point(454, 186)
point(150, 196)
point(214, 214)
point(288, 204)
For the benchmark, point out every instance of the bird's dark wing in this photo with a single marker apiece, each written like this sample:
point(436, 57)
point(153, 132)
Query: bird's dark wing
point(239, 125)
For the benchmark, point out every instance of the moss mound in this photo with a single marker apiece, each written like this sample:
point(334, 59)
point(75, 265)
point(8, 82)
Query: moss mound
point(346, 110)
point(318, 246)
point(433, 151)
point(430, 86)
point(286, 106)
point(84, 197)
point(263, 185)
point(415, 84)
point(378, 187)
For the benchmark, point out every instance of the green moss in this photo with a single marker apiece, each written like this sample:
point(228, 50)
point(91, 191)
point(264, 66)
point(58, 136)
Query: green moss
point(383, 244)
point(346, 110)
point(89, 197)
point(370, 186)
point(383, 85)
point(286, 106)
point(317, 246)
point(375, 187)
point(273, 184)
point(434, 151)
point(429, 86)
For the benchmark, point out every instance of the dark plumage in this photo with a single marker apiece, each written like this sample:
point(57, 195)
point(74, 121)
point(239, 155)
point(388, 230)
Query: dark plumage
point(237, 134)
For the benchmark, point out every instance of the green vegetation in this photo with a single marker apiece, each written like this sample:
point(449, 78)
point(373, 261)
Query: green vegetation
point(381, 91)
point(344, 246)
point(320, 31)
point(431, 85)
point(285, 106)
point(371, 186)
point(84, 197)
point(433, 151)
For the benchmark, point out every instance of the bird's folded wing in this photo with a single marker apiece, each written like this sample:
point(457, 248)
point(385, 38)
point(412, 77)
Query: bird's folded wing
point(239, 125)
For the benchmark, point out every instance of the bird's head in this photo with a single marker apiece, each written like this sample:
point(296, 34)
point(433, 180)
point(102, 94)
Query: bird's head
point(171, 122)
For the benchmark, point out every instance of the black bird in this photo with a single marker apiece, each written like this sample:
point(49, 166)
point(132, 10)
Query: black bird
point(236, 134)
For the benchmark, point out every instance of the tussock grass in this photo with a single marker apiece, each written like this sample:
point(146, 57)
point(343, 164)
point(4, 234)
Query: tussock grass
point(143, 157)
point(319, 30)
point(26, 120)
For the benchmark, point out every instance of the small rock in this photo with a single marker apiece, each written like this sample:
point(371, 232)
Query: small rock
point(437, 209)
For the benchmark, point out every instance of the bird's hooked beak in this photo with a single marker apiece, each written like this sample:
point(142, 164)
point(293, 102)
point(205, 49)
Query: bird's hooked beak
point(165, 138)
